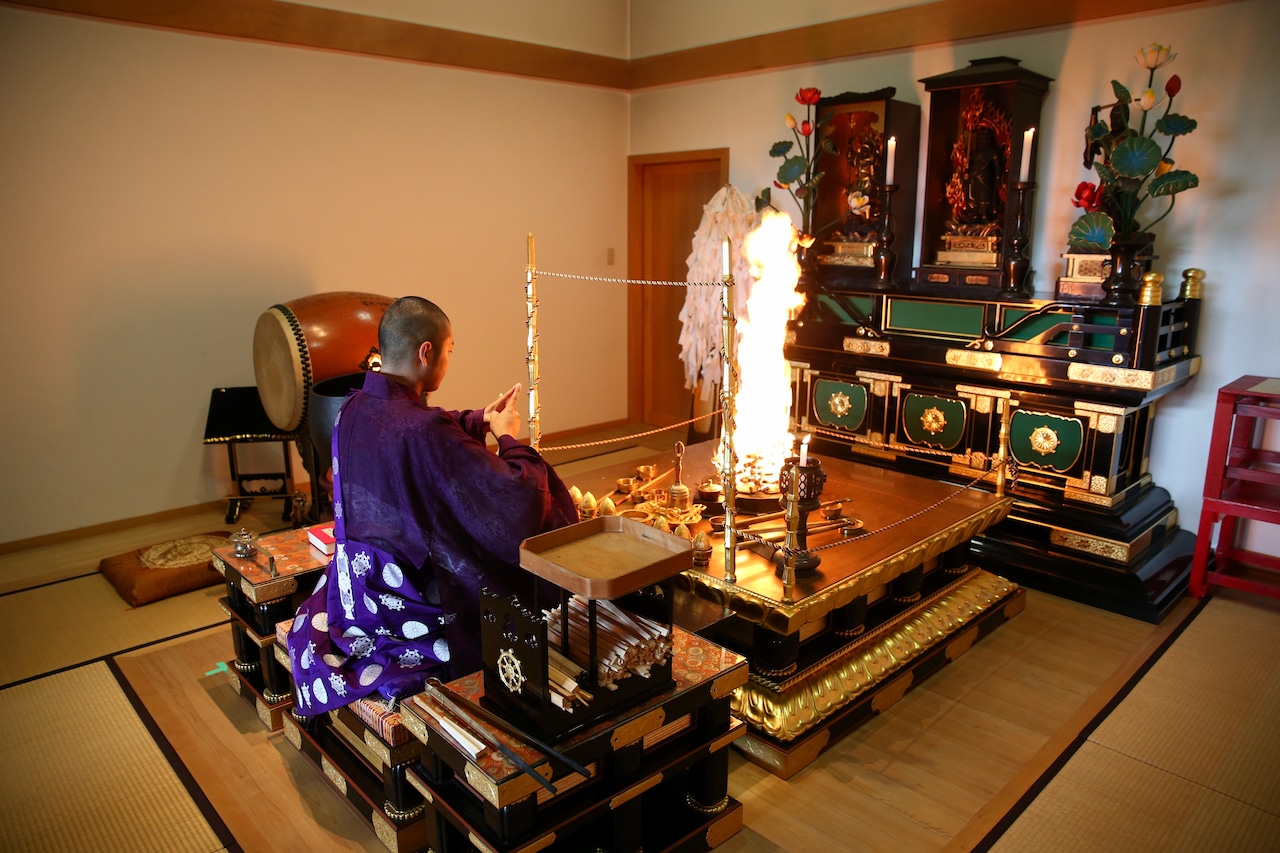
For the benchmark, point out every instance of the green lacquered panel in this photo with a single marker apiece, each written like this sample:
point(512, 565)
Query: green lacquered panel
point(933, 421)
point(839, 306)
point(1038, 326)
point(839, 404)
point(948, 318)
point(1043, 440)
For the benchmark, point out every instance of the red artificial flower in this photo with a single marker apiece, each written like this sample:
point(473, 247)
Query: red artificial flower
point(808, 97)
point(806, 127)
point(1173, 85)
point(779, 186)
point(1088, 196)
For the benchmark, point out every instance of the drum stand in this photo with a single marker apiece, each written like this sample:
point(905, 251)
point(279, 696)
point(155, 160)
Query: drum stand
point(236, 417)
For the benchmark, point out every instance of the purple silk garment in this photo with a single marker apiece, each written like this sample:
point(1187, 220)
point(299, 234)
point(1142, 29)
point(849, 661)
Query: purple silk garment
point(425, 516)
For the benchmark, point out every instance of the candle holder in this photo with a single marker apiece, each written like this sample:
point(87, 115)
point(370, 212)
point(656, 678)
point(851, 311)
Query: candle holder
point(801, 486)
point(1017, 265)
point(886, 259)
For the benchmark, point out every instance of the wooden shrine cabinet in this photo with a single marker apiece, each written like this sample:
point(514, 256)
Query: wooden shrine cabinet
point(924, 383)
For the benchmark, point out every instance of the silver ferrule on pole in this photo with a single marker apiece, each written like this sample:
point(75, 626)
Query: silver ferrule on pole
point(728, 391)
point(531, 357)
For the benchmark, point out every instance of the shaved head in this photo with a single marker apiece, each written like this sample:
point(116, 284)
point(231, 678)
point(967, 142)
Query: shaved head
point(408, 322)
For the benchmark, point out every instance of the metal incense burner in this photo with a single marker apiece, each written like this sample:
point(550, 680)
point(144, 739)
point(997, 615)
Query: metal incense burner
point(801, 486)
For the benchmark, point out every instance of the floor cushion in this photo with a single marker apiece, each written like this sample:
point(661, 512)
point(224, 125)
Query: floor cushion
point(169, 568)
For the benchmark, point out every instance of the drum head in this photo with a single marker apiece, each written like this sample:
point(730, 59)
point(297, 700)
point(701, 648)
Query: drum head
point(277, 365)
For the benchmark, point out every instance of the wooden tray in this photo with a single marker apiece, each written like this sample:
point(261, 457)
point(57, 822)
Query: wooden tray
point(606, 557)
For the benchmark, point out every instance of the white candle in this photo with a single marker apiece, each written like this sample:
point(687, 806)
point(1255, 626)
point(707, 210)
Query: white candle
point(888, 162)
point(804, 450)
point(1024, 173)
point(724, 258)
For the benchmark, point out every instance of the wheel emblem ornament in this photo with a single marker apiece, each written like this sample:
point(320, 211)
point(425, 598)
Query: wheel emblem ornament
point(509, 671)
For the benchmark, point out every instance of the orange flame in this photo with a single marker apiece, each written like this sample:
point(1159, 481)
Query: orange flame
point(763, 400)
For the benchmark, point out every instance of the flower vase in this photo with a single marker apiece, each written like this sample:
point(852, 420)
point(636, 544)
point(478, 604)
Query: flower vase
point(1120, 287)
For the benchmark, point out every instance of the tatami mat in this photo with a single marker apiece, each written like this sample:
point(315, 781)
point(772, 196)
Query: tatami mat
point(1216, 694)
point(81, 772)
point(1189, 760)
point(1103, 800)
point(102, 622)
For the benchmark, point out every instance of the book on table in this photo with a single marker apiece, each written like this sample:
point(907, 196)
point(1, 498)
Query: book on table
point(321, 536)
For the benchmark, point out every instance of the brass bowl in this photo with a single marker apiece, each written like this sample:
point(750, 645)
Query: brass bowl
point(647, 472)
point(627, 485)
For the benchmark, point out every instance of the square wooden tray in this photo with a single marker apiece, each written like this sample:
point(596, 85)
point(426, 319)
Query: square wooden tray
point(606, 557)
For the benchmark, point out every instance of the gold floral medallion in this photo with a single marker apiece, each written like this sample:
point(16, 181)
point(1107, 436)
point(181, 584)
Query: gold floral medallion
point(933, 420)
point(839, 404)
point(1044, 440)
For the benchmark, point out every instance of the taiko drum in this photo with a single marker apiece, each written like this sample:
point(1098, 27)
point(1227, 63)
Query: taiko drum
point(308, 340)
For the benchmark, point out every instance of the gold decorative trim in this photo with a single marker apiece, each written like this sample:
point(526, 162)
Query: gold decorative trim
point(483, 785)
point(413, 723)
point(539, 843)
point(632, 731)
point(736, 730)
point(714, 808)
point(636, 790)
point(886, 697)
point(234, 680)
point(479, 843)
point(785, 763)
point(724, 829)
point(962, 643)
point(1100, 485)
point(862, 346)
point(1108, 424)
point(789, 339)
point(390, 810)
point(831, 684)
point(729, 682)
point(977, 360)
point(292, 734)
point(1085, 406)
point(282, 658)
point(331, 773)
point(385, 831)
point(1117, 552)
point(785, 618)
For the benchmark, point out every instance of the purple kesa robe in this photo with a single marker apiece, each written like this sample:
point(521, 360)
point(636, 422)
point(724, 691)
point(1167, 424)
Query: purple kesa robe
point(424, 517)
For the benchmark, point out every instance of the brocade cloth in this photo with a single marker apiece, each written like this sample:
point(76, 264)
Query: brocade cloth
point(425, 516)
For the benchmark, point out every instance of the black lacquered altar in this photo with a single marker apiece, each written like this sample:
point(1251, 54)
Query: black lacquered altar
point(883, 609)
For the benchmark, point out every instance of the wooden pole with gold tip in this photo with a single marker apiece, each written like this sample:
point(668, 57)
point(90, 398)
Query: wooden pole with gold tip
point(531, 357)
point(728, 457)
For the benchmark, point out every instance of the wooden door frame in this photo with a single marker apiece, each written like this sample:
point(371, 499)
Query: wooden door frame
point(635, 249)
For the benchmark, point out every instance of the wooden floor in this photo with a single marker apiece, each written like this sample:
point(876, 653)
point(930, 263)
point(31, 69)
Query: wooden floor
point(938, 771)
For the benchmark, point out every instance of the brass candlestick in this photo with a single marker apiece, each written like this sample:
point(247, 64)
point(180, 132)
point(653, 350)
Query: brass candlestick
point(801, 486)
point(886, 259)
point(1017, 267)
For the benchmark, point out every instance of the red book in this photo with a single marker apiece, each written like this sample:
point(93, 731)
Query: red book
point(321, 536)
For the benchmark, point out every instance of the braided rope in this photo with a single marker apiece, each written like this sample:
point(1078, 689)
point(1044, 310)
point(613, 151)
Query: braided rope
point(604, 441)
point(631, 280)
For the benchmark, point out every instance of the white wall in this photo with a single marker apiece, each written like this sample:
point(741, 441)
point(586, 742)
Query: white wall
point(161, 190)
point(1228, 59)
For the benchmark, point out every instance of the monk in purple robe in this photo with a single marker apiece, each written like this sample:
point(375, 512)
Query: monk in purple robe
point(425, 516)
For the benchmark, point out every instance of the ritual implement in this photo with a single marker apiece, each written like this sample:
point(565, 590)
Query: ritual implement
point(435, 690)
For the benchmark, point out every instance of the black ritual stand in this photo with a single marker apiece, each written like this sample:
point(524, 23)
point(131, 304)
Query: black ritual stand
point(236, 417)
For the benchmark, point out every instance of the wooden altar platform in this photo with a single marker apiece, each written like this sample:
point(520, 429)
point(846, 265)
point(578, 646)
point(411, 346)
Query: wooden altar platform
point(881, 612)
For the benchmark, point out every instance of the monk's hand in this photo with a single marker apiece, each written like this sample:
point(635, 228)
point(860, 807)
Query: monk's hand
point(505, 421)
point(504, 401)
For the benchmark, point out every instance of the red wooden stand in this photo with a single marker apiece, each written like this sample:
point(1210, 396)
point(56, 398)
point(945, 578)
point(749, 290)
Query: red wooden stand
point(1242, 481)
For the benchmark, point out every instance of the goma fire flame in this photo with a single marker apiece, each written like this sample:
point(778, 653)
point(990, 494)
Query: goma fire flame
point(763, 400)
